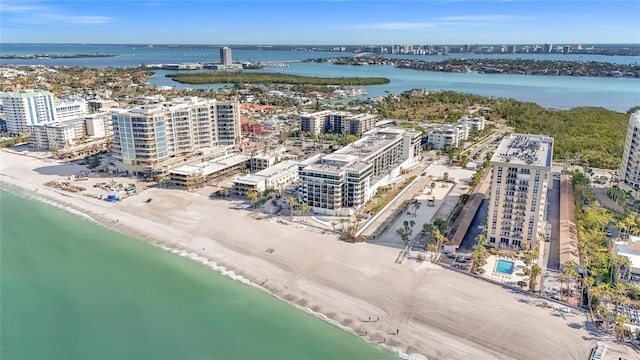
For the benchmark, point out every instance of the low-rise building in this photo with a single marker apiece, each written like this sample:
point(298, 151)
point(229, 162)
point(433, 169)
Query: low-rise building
point(474, 123)
point(276, 177)
point(445, 136)
point(631, 249)
point(189, 176)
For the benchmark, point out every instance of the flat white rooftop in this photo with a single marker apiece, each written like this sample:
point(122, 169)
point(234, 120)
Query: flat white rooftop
point(525, 150)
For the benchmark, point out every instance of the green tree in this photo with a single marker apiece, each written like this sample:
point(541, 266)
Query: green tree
point(293, 203)
point(252, 195)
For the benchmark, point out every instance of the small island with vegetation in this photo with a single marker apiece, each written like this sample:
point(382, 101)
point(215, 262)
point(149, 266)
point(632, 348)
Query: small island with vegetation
point(272, 78)
point(53, 56)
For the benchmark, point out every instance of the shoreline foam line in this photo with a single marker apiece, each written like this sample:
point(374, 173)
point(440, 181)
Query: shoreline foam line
point(208, 263)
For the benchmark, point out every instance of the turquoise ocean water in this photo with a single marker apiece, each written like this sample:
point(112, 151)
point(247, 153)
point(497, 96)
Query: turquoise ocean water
point(71, 289)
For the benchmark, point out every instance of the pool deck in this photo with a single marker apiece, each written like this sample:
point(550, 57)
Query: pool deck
point(507, 279)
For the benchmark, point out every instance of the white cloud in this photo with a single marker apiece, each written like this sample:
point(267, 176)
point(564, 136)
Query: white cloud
point(9, 8)
point(483, 18)
point(33, 13)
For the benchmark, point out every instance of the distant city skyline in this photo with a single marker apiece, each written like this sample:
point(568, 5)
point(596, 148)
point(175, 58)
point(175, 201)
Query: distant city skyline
point(320, 22)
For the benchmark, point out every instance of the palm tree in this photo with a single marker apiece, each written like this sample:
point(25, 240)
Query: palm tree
point(293, 203)
point(252, 195)
point(406, 230)
point(304, 209)
point(440, 239)
point(445, 177)
point(620, 327)
point(224, 192)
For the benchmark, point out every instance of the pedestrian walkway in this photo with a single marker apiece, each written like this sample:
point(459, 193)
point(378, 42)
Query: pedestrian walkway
point(464, 220)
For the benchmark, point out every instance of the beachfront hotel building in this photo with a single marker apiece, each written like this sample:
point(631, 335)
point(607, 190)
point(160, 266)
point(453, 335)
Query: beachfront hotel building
point(521, 168)
point(630, 165)
point(341, 182)
point(64, 135)
point(336, 122)
point(197, 175)
point(152, 139)
point(31, 107)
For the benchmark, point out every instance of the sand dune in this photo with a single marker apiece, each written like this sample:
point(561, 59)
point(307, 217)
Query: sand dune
point(440, 314)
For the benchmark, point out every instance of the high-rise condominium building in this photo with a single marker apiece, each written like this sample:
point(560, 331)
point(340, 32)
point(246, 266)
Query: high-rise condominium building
point(225, 56)
point(630, 165)
point(151, 139)
point(25, 108)
point(521, 166)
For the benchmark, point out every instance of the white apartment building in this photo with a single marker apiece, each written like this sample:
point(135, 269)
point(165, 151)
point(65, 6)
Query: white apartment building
point(31, 107)
point(25, 108)
point(336, 122)
point(474, 123)
point(520, 175)
point(276, 177)
point(341, 182)
point(154, 138)
point(630, 165)
point(445, 136)
point(70, 109)
point(264, 160)
point(63, 135)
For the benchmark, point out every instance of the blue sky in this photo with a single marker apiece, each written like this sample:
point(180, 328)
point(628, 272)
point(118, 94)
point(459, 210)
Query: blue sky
point(320, 22)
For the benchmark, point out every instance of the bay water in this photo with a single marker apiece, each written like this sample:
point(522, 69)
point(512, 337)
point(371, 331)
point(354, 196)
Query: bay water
point(561, 92)
point(72, 289)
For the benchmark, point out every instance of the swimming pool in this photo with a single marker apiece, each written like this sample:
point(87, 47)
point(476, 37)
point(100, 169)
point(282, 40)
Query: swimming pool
point(504, 267)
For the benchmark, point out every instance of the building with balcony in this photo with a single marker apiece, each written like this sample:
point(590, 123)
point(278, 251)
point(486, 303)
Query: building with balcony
point(630, 164)
point(341, 182)
point(152, 139)
point(474, 123)
point(276, 177)
point(445, 136)
point(521, 168)
point(197, 175)
point(64, 135)
point(32, 107)
point(336, 122)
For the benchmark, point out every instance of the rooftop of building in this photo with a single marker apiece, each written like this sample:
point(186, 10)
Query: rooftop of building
point(525, 149)
point(211, 166)
point(356, 155)
point(25, 93)
point(630, 249)
point(174, 104)
point(267, 173)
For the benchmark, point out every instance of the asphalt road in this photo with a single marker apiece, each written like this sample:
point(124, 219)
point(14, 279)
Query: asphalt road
point(553, 216)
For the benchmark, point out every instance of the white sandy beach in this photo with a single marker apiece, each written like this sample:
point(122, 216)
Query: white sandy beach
point(440, 314)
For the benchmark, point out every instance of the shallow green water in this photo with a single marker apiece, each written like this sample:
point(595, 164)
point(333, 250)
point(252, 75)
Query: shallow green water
point(71, 289)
